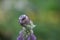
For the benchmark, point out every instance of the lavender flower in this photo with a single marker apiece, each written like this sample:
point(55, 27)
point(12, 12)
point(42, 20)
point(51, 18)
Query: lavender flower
point(31, 37)
point(20, 37)
point(27, 29)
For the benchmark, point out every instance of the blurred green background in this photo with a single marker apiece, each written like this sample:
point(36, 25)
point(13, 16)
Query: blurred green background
point(44, 13)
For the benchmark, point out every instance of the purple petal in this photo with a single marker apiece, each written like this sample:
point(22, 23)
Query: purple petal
point(20, 37)
point(32, 37)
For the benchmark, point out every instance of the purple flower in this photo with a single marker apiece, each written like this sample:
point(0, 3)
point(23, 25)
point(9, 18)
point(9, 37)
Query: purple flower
point(20, 37)
point(27, 31)
point(31, 37)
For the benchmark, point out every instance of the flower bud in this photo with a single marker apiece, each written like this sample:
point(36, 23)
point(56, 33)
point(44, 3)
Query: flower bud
point(24, 20)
